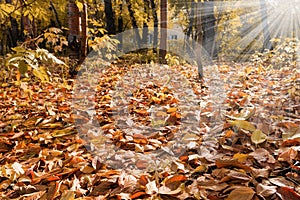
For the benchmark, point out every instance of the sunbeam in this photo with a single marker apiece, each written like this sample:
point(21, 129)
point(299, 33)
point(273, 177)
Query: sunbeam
point(243, 27)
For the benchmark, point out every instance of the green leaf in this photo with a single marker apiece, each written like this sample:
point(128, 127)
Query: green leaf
point(258, 137)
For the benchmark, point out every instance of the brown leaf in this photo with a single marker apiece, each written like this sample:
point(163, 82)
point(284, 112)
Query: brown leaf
point(262, 155)
point(265, 190)
point(103, 188)
point(292, 142)
point(281, 182)
point(139, 194)
point(174, 182)
point(53, 190)
point(244, 193)
point(141, 164)
point(143, 180)
point(288, 193)
point(232, 163)
point(4, 147)
point(239, 176)
point(289, 155)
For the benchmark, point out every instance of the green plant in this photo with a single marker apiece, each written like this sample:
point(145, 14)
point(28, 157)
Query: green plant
point(105, 46)
point(38, 61)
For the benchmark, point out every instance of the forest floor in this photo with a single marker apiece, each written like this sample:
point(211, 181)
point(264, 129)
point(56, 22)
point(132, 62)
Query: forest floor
point(245, 146)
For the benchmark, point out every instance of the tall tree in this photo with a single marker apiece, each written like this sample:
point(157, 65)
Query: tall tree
point(163, 30)
point(191, 26)
point(134, 23)
point(120, 26)
point(13, 30)
point(53, 9)
point(155, 23)
point(267, 38)
point(110, 17)
point(199, 39)
point(74, 30)
point(209, 25)
point(145, 22)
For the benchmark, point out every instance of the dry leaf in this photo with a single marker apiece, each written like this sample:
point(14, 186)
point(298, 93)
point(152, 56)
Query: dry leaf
point(258, 137)
point(239, 193)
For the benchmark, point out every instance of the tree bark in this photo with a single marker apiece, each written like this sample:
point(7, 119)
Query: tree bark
point(199, 39)
point(189, 33)
point(145, 23)
point(74, 30)
point(209, 24)
point(13, 30)
point(110, 18)
point(267, 38)
point(58, 23)
point(134, 23)
point(163, 30)
point(26, 28)
point(120, 27)
point(155, 24)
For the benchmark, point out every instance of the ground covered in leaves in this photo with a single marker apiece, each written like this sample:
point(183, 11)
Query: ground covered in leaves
point(173, 137)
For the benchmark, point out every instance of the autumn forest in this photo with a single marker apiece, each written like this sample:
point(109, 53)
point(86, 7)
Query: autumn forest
point(150, 99)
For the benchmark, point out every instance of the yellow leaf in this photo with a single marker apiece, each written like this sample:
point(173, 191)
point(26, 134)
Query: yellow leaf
point(240, 157)
point(258, 137)
point(171, 110)
point(242, 124)
point(141, 112)
point(156, 100)
point(79, 5)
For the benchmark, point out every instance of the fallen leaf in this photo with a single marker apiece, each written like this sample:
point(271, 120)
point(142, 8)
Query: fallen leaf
point(242, 125)
point(258, 137)
point(288, 193)
point(288, 155)
point(151, 188)
point(232, 163)
point(139, 194)
point(239, 193)
point(174, 182)
point(265, 190)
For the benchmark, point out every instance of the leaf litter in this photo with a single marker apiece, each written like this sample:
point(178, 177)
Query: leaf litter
point(249, 147)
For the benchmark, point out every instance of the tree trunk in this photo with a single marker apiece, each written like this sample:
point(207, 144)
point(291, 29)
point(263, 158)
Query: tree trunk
point(134, 23)
point(145, 23)
point(110, 18)
point(58, 23)
point(199, 38)
point(267, 38)
point(74, 30)
point(209, 24)
point(83, 26)
point(190, 27)
point(155, 21)
point(120, 27)
point(163, 30)
point(13, 30)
